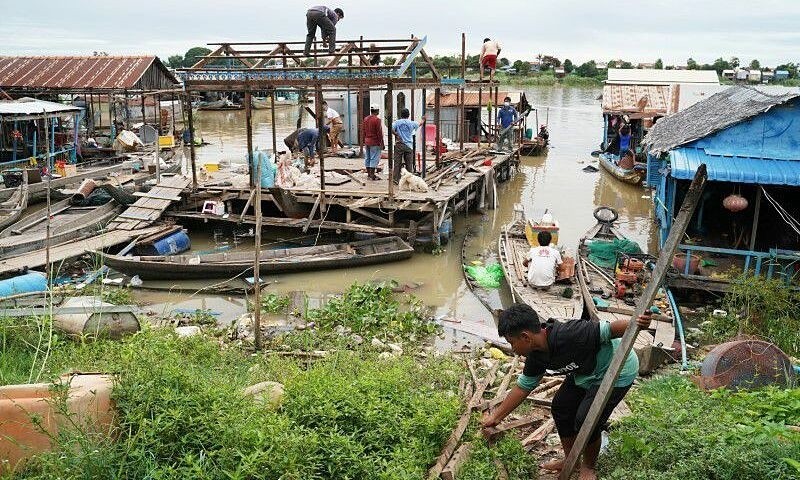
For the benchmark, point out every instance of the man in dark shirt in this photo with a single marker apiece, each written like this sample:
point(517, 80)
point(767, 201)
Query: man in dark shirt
point(291, 140)
point(326, 19)
point(580, 349)
point(307, 143)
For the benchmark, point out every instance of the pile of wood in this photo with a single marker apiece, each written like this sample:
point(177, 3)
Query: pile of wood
point(454, 165)
point(532, 428)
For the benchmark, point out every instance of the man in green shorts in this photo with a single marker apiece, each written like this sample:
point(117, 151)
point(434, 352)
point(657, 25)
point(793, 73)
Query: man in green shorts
point(581, 350)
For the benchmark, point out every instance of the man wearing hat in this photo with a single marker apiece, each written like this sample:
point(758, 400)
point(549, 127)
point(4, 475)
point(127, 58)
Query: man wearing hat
point(372, 130)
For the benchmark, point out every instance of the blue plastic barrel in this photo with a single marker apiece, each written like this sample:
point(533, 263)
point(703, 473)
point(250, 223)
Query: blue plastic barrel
point(30, 282)
point(173, 244)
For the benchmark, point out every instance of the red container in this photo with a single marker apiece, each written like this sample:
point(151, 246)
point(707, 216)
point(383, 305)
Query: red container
point(679, 262)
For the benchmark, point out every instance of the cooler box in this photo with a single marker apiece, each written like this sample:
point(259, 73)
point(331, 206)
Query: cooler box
point(532, 229)
point(166, 142)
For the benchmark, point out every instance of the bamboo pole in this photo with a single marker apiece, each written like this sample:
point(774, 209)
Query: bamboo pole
point(629, 338)
point(274, 134)
point(390, 139)
point(191, 140)
point(48, 268)
point(320, 140)
point(424, 134)
point(257, 212)
point(437, 119)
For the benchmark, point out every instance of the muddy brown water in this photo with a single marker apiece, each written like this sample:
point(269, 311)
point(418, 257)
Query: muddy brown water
point(554, 180)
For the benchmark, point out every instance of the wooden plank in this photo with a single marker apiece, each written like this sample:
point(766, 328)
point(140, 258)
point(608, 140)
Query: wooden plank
point(539, 434)
point(171, 198)
point(626, 344)
point(367, 214)
point(456, 461)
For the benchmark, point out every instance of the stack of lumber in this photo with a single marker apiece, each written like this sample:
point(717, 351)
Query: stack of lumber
point(454, 165)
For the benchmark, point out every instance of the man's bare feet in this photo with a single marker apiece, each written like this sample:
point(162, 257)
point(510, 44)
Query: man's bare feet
point(587, 474)
point(554, 465)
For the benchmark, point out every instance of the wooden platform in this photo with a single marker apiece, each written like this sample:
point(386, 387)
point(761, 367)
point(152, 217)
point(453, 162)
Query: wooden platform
point(151, 205)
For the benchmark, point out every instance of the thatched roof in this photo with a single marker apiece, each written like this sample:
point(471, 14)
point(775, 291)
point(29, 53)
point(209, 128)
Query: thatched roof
point(718, 112)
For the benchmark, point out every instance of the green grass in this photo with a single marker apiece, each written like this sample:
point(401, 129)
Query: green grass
point(680, 432)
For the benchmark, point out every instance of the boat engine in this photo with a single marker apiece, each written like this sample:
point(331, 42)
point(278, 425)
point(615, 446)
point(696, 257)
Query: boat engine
point(627, 277)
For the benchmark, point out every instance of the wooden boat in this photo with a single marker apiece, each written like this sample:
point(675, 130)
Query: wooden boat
point(67, 223)
point(512, 249)
point(224, 104)
point(226, 265)
point(633, 176)
point(264, 103)
point(14, 204)
point(601, 283)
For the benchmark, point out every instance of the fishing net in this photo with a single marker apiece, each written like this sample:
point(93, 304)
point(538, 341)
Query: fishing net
point(604, 253)
point(489, 276)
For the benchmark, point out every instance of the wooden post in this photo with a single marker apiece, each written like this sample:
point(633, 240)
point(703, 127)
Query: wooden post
point(157, 106)
point(463, 93)
point(48, 268)
point(389, 101)
point(274, 134)
point(494, 114)
point(437, 119)
point(756, 211)
point(424, 133)
point(144, 113)
point(321, 143)
point(127, 112)
point(626, 344)
point(257, 260)
point(414, 136)
point(248, 123)
point(359, 120)
point(480, 114)
point(191, 140)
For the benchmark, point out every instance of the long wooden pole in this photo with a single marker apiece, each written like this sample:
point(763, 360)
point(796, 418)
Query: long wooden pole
point(248, 106)
point(461, 104)
point(389, 102)
point(272, 119)
point(437, 105)
point(424, 134)
point(48, 267)
point(628, 339)
point(191, 139)
point(321, 141)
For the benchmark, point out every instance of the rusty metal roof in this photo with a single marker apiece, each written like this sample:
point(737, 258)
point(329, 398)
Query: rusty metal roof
point(645, 100)
point(96, 73)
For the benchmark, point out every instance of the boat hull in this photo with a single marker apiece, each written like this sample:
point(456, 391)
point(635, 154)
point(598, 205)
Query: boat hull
point(633, 177)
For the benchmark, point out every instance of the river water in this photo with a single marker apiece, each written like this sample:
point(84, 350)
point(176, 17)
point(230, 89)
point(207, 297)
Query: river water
point(553, 181)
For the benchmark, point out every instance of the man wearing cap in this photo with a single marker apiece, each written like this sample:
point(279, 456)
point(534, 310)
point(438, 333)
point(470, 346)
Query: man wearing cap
point(404, 130)
point(372, 130)
point(326, 19)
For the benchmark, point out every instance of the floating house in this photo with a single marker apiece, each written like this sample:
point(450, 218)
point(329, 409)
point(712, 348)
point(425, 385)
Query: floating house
point(643, 96)
point(747, 221)
point(476, 111)
point(26, 123)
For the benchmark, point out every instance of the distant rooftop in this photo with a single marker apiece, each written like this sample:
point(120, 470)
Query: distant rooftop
point(29, 108)
point(633, 76)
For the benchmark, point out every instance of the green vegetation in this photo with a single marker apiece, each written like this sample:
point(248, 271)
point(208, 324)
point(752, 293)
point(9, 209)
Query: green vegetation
point(274, 303)
point(680, 432)
point(755, 306)
point(508, 451)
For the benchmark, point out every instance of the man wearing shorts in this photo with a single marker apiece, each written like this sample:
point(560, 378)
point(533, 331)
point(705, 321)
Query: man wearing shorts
point(580, 349)
point(372, 129)
point(334, 121)
point(489, 53)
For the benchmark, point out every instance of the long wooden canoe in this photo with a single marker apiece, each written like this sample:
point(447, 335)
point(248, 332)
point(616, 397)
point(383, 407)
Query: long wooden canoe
point(513, 248)
point(13, 205)
point(67, 223)
point(598, 282)
point(230, 264)
point(633, 176)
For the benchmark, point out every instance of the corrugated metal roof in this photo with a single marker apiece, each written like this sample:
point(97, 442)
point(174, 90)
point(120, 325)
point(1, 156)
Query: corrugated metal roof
point(717, 112)
point(685, 161)
point(449, 99)
point(27, 107)
point(635, 76)
point(636, 98)
point(102, 72)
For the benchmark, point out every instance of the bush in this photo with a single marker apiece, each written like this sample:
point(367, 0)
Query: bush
point(182, 415)
point(756, 306)
point(680, 432)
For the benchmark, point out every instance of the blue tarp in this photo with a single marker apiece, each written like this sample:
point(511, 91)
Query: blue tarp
point(766, 171)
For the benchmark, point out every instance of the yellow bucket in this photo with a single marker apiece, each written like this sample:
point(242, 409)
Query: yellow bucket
point(166, 142)
point(212, 167)
point(532, 231)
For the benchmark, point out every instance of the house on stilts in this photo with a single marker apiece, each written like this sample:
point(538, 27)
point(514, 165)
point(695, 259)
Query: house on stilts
point(748, 221)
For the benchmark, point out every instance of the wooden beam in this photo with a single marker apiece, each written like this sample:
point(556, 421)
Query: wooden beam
point(428, 60)
point(338, 56)
point(367, 214)
point(629, 338)
point(456, 461)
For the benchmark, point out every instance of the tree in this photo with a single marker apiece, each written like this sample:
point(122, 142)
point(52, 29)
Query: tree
point(720, 65)
point(175, 61)
point(755, 65)
point(734, 62)
point(523, 68)
point(612, 64)
point(193, 55)
point(549, 62)
point(659, 65)
point(389, 60)
point(587, 69)
point(568, 66)
point(691, 64)
point(504, 62)
point(626, 65)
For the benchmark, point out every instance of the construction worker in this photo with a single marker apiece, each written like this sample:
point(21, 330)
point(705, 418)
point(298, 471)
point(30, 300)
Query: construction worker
point(326, 19)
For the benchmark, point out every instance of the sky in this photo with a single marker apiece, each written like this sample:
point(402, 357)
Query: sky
point(581, 30)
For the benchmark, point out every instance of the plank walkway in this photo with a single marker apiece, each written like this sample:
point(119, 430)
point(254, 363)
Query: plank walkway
point(65, 251)
point(151, 205)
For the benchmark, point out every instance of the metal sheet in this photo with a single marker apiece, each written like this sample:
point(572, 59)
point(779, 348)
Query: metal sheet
point(684, 162)
point(29, 106)
point(636, 76)
point(101, 72)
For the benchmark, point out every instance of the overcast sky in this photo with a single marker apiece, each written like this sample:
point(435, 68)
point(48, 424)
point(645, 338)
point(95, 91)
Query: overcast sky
point(673, 30)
